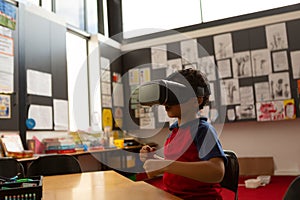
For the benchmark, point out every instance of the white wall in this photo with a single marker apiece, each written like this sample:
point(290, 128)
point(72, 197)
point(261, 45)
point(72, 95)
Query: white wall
point(279, 139)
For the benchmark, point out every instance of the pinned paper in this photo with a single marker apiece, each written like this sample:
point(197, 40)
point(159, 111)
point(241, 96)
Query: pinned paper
point(107, 119)
point(42, 116)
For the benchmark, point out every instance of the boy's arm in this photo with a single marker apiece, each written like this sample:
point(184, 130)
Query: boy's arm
point(211, 171)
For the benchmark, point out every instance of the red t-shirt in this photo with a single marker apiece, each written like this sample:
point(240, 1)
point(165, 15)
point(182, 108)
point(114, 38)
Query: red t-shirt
point(186, 144)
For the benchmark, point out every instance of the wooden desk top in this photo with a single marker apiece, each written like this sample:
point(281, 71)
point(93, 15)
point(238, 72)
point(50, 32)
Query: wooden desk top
point(81, 153)
point(105, 185)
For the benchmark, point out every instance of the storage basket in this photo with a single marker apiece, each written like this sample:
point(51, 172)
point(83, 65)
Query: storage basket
point(30, 188)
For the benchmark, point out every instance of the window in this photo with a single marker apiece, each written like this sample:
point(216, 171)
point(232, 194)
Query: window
point(92, 16)
point(231, 8)
point(35, 2)
point(72, 11)
point(143, 16)
point(47, 5)
point(77, 82)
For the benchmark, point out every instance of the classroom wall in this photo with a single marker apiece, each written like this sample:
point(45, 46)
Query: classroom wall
point(258, 139)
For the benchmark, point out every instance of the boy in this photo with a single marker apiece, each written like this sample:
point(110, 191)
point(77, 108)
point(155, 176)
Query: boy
point(193, 163)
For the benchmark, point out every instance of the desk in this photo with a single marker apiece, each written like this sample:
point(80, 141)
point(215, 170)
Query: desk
point(105, 185)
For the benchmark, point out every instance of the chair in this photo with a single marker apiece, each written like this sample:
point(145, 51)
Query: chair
point(10, 167)
point(54, 165)
point(231, 177)
point(293, 191)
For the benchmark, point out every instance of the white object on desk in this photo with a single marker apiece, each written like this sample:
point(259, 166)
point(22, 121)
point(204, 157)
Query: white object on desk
point(252, 183)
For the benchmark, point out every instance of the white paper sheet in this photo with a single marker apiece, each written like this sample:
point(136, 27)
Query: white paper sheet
point(6, 45)
point(105, 88)
point(173, 66)
point(295, 59)
point(159, 56)
point(61, 114)
point(262, 91)
point(189, 51)
point(42, 116)
point(6, 83)
point(39, 83)
point(6, 63)
point(207, 65)
point(276, 36)
point(223, 46)
point(280, 61)
point(261, 62)
point(118, 94)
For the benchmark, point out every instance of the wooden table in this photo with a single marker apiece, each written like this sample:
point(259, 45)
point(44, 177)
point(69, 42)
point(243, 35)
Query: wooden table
point(105, 185)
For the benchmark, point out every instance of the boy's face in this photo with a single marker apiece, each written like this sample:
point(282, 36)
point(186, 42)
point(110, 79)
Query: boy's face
point(173, 111)
point(189, 108)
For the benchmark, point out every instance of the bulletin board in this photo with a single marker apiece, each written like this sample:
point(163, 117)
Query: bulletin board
point(254, 73)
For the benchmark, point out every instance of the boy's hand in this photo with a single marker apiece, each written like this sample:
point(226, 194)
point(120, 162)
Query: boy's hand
point(146, 152)
point(155, 167)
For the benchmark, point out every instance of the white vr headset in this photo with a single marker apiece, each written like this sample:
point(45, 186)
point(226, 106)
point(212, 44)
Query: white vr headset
point(168, 92)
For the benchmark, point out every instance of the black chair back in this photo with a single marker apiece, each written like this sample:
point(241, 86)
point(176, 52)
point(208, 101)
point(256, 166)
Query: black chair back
point(10, 167)
point(231, 177)
point(293, 191)
point(54, 165)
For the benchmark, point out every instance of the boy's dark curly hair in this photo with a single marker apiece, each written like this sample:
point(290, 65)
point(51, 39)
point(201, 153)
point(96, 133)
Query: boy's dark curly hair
point(197, 79)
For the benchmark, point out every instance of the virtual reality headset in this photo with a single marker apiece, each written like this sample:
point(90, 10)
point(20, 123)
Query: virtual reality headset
point(168, 92)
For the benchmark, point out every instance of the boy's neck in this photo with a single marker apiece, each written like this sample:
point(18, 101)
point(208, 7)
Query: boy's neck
point(186, 119)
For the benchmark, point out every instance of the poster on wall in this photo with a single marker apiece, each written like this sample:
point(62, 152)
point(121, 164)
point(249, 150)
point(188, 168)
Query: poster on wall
point(230, 92)
point(189, 51)
point(246, 95)
point(42, 115)
point(207, 65)
point(261, 62)
point(7, 15)
point(107, 118)
point(241, 65)
point(118, 95)
point(276, 36)
point(5, 106)
point(280, 85)
point(280, 61)
point(223, 46)
point(144, 75)
point(245, 112)
point(39, 83)
point(224, 68)
point(134, 78)
point(290, 109)
point(173, 66)
point(159, 56)
point(262, 91)
point(7, 64)
point(295, 55)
